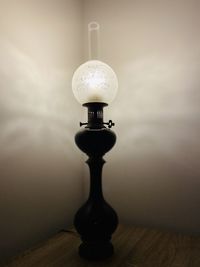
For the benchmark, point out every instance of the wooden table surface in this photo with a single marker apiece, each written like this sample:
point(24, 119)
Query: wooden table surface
point(134, 247)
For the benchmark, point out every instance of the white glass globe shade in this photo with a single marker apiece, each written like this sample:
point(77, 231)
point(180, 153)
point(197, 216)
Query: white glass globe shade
point(94, 81)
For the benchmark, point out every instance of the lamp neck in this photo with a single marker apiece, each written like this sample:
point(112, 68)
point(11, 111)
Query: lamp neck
point(95, 115)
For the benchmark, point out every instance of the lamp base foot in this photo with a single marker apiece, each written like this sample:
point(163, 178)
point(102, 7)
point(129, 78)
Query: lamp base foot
point(97, 251)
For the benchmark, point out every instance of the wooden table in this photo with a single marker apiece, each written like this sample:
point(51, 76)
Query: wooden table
point(134, 247)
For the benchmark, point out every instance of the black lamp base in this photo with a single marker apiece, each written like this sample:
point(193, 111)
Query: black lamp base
point(96, 220)
point(98, 251)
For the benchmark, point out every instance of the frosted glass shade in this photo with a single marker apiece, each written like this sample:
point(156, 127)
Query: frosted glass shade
point(94, 81)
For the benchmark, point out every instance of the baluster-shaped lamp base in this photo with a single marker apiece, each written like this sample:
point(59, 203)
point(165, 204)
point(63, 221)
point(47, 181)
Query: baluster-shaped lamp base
point(96, 220)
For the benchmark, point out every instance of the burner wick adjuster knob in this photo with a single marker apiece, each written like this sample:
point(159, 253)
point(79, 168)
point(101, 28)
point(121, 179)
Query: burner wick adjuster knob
point(110, 123)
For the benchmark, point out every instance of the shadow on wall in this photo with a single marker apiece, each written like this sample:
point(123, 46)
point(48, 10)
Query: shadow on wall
point(40, 166)
point(157, 153)
point(38, 158)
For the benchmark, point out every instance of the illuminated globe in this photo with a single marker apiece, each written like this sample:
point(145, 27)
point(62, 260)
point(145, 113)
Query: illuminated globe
point(94, 81)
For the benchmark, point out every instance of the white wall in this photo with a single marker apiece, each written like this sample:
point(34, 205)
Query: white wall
point(153, 174)
point(40, 166)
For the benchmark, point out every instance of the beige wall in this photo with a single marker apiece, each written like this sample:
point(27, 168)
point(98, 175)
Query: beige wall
point(153, 174)
point(40, 167)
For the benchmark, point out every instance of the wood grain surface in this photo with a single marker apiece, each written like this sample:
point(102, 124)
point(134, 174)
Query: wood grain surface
point(134, 247)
